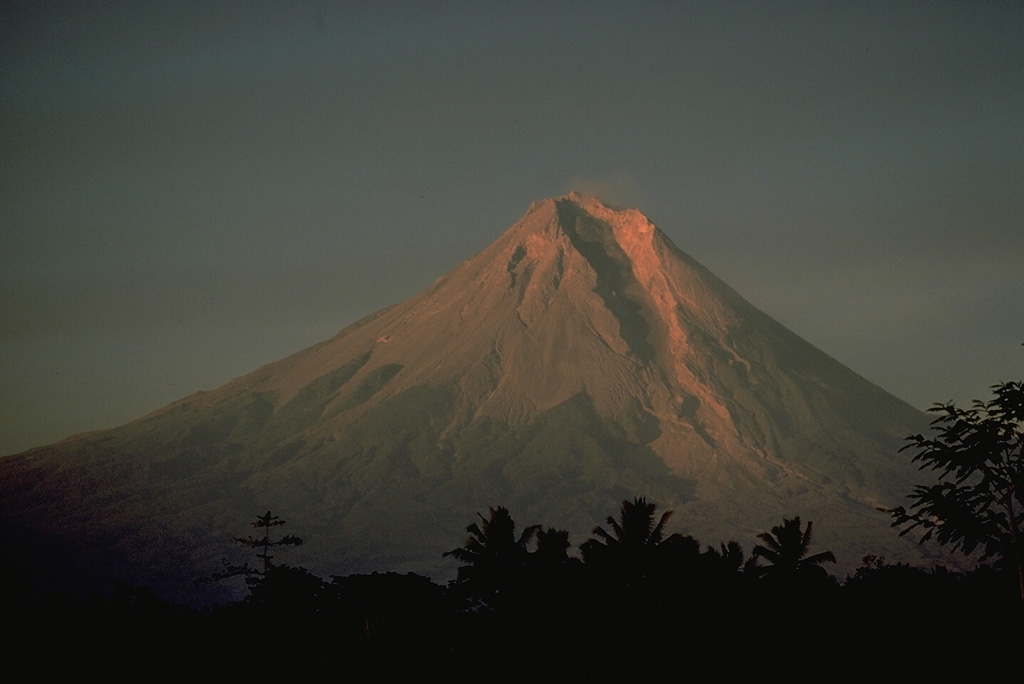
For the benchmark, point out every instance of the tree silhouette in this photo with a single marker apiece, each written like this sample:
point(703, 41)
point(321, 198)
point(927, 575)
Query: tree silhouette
point(635, 529)
point(785, 549)
point(979, 498)
point(552, 547)
point(265, 522)
point(635, 544)
point(286, 591)
point(727, 561)
point(637, 576)
point(492, 552)
point(262, 544)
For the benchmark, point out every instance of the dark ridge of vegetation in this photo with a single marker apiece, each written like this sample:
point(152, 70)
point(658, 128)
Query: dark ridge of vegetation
point(523, 600)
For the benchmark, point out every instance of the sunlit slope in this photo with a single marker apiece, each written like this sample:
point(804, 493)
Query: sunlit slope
point(580, 359)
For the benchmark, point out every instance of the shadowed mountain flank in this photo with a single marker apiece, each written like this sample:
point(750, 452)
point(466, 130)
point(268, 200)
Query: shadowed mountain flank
point(616, 284)
point(579, 360)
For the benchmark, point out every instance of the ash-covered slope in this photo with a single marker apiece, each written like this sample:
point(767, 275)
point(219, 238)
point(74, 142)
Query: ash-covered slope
point(579, 360)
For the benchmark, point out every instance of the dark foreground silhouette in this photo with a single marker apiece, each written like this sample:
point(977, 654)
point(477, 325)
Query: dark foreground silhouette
point(522, 605)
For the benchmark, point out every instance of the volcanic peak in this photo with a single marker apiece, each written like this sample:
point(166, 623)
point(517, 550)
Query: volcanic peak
point(579, 358)
point(639, 262)
point(627, 222)
point(629, 226)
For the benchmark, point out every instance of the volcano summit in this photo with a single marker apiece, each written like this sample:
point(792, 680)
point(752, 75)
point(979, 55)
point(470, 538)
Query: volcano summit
point(579, 360)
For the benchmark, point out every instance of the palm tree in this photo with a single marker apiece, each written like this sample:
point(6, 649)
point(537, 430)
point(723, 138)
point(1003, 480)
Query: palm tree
point(785, 548)
point(726, 561)
point(634, 543)
point(552, 572)
point(635, 528)
point(553, 547)
point(632, 570)
point(492, 551)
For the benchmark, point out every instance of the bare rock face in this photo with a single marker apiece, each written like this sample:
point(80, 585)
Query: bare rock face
point(579, 360)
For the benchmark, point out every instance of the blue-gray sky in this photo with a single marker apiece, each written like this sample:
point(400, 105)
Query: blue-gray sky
point(189, 190)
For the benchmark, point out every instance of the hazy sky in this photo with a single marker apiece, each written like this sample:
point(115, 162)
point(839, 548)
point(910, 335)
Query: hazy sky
point(189, 190)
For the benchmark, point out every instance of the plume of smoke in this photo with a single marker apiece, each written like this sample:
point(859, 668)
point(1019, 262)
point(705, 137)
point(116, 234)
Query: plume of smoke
point(620, 190)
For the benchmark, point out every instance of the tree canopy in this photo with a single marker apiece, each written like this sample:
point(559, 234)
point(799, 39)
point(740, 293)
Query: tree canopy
point(785, 548)
point(492, 551)
point(978, 501)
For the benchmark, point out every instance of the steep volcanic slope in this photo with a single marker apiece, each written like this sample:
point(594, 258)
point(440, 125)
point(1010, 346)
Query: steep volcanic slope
point(579, 360)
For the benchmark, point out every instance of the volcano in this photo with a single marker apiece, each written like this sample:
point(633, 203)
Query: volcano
point(579, 360)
